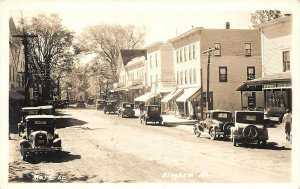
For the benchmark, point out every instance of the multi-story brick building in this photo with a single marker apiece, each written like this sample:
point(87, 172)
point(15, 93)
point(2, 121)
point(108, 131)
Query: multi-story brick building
point(276, 78)
point(238, 57)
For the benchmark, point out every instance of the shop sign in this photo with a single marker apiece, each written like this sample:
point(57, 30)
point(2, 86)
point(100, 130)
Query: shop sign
point(277, 86)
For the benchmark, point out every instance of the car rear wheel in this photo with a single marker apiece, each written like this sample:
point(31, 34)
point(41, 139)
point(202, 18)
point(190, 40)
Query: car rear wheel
point(212, 134)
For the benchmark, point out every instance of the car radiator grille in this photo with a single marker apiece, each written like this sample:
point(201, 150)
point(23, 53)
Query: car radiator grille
point(41, 139)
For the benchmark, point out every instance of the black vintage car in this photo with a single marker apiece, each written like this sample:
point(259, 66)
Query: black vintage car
point(39, 137)
point(127, 109)
point(37, 110)
point(151, 113)
point(110, 107)
point(100, 104)
point(217, 123)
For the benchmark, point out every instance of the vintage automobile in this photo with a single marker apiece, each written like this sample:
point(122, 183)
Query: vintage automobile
point(127, 109)
point(216, 124)
point(37, 110)
point(151, 113)
point(250, 127)
point(80, 104)
point(39, 137)
point(100, 104)
point(110, 107)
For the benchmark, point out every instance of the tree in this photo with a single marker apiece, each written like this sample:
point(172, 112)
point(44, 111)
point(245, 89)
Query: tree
point(261, 16)
point(107, 40)
point(51, 49)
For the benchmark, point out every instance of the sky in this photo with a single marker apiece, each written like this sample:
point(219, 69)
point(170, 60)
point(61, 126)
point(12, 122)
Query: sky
point(162, 21)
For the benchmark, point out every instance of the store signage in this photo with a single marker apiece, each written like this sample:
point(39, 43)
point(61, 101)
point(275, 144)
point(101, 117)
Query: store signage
point(277, 86)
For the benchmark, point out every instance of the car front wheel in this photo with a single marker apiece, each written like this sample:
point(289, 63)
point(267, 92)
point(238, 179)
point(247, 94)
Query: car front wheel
point(212, 134)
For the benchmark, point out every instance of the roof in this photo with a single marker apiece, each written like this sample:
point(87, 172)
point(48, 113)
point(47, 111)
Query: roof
point(275, 21)
point(40, 117)
point(129, 54)
point(274, 78)
point(196, 29)
point(224, 111)
point(154, 45)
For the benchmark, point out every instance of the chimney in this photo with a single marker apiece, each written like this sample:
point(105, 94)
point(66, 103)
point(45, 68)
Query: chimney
point(227, 25)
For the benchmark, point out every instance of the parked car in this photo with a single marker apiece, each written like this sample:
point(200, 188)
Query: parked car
point(66, 102)
point(100, 104)
point(58, 104)
point(250, 127)
point(127, 109)
point(151, 113)
point(216, 124)
point(39, 137)
point(37, 110)
point(80, 104)
point(110, 107)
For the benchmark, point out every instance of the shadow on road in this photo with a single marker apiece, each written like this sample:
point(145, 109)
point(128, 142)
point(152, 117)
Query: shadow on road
point(68, 122)
point(61, 157)
point(269, 146)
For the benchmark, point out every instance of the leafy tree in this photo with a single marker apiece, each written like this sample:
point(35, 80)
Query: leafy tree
point(106, 41)
point(51, 52)
point(261, 16)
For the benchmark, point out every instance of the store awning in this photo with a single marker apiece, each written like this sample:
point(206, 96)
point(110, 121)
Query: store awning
point(16, 96)
point(189, 93)
point(274, 78)
point(246, 87)
point(173, 94)
point(145, 97)
point(136, 87)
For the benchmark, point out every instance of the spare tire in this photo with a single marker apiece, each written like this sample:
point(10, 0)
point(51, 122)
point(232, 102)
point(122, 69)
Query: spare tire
point(250, 132)
point(226, 128)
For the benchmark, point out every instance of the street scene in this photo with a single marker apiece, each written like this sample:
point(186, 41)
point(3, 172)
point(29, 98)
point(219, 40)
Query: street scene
point(137, 97)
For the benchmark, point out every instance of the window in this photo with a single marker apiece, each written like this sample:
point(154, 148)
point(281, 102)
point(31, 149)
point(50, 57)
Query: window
point(156, 60)
point(177, 56)
point(190, 52)
point(194, 52)
point(184, 54)
point(250, 73)
point(151, 81)
point(178, 75)
point(150, 59)
point(218, 49)
point(180, 55)
point(248, 49)
point(286, 60)
point(186, 77)
point(156, 78)
point(181, 78)
point(194, 76)
point(223, 74)
point(191, 76)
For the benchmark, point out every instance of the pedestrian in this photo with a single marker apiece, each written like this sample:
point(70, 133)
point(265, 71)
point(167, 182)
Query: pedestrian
point(287, 119)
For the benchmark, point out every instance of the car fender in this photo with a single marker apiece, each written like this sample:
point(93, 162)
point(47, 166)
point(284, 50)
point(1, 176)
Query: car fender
point(24, 143)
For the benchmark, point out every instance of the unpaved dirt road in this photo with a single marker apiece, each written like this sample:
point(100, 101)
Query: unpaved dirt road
point(105, 148)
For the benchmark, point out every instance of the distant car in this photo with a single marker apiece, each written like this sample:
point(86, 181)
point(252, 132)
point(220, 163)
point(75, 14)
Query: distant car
point(39, 137)
point(80, 104)
point(127, 109)
point(66, 102)
point(216, 124)
point(250, 127)
point(110, 107)
point(100, 104)
point(151, 113)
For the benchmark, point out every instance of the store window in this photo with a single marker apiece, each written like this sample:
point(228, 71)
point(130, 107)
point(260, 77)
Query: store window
point(223, 74)
point(286, 60)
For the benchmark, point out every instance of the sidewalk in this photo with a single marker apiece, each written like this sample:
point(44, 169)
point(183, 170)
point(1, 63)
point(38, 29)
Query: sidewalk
point(174, 120)
point(277, 135)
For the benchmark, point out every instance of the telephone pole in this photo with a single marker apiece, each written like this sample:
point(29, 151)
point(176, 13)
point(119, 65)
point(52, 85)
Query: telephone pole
point(208, 51)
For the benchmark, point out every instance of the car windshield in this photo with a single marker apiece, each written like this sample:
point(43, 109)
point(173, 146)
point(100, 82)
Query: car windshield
point(41, 124)
point(127, 105)
point(153, 108)
point(250, 117)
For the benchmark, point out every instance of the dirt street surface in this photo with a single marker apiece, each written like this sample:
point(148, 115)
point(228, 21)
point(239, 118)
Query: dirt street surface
point(106, 148)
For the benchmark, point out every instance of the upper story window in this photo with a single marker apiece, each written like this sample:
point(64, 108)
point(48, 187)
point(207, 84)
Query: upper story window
point(10, 73)
point(194, 51)
point(186, 77)
point(181, 78)
point(150, 60)
point(191, 76)
point(250, 73)
point(177, 56)
point(156, 57)
point(217, 49)
point(286, 60)
point(194, 76)
point(190, 52)
point(178, 76)
point(223, 74)
point(248, 49)
point(180, 55)
point(184, 53)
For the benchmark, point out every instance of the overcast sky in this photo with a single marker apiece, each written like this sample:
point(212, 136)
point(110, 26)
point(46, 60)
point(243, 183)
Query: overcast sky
point(161, 20)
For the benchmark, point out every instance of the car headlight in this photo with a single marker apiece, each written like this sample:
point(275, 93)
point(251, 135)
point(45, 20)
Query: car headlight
point(50, 136)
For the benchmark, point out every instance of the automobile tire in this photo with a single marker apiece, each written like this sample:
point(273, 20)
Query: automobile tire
point(212, 134)
point(250, 132)
point(226, 128)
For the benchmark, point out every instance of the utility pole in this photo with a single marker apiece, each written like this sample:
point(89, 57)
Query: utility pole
point(201, 92)
point(27, 76)
point(208, 51)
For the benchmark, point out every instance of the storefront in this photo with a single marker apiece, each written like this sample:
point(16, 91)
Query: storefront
point(168, 103)
point(186, 103)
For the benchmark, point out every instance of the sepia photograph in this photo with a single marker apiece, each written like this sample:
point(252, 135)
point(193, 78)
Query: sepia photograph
point(173, 92)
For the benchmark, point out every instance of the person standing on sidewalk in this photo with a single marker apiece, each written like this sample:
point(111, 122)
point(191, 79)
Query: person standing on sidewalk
point(287, 119)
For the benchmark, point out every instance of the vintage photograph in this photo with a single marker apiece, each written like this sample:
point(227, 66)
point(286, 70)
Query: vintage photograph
point(149, 93)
